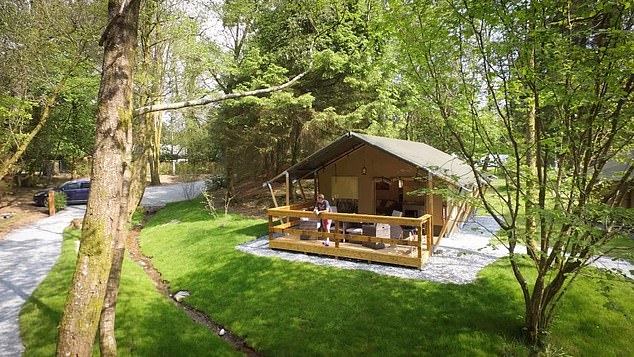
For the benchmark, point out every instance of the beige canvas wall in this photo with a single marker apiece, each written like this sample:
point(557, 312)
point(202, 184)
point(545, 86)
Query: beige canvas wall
point(378, 164)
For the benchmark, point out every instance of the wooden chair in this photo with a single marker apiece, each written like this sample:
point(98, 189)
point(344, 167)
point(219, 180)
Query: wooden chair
point(396, 231)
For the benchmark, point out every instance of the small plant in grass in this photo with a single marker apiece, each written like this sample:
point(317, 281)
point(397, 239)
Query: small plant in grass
point(227, 201)
point(218, 183)
point(553, 351)
point(208, 202)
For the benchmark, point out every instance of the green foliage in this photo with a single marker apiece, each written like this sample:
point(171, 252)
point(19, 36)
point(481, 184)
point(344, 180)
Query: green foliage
point(59, 201)
point(148, 324)
point(291, 308)
point(349, 86)
point(215, 183)
point(543, 82)
point(14, 114)
point(58, 54)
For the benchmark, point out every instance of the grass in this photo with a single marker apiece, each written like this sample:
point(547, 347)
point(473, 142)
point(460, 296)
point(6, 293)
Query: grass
point(287, 308)
point(147, 323)
point(621, 247)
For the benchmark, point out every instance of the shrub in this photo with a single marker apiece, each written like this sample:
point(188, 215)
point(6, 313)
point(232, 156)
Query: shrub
point(59, 201)
point(216, 182)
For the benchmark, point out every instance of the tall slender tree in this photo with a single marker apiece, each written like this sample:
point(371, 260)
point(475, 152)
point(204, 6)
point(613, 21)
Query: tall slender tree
point(101, 222)
point(116, 187)
point(551, 76)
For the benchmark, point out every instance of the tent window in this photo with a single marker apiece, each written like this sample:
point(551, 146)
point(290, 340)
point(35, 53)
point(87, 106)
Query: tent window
point(345, 187)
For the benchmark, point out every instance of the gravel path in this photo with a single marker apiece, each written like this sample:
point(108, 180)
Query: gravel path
point(457, 260)
point(28, 254)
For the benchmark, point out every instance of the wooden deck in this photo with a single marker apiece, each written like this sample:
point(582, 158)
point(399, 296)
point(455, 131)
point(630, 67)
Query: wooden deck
point(412, 250)
point(392, 255)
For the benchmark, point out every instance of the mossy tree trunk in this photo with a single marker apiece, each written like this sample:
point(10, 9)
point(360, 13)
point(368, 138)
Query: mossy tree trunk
point(155, 149)
point(114, 117)
point(133, 187)
point(107, 339)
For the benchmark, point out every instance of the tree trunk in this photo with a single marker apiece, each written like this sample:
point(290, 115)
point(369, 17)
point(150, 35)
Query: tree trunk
point(134, 183)
point(535, 311)
point(107, 339)
point(86, 296)
point(535, 326)
point(155, 149)
point(531, 161)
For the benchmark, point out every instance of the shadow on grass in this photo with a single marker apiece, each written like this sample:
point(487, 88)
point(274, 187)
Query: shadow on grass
point(148, 324)
point(287, 308)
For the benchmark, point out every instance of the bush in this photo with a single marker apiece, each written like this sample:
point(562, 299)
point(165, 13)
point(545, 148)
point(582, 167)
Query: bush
point(59, 201)
point(216, 182)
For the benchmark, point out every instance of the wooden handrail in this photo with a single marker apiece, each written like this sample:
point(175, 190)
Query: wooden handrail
point(348, 217)
point(349, 237)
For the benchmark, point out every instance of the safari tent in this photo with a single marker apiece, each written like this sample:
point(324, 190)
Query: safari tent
point(380, 189)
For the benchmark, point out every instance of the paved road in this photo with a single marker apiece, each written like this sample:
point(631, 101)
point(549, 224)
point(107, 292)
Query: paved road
point(28, 254)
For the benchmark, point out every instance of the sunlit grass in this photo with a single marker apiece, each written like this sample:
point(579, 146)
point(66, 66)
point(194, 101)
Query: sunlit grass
point(147, 323)
point(288, 308)
point(621, 247)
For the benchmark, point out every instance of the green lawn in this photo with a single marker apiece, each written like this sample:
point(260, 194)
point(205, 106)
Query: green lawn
point(288, 309)
point(147, 323)
point(621, 247)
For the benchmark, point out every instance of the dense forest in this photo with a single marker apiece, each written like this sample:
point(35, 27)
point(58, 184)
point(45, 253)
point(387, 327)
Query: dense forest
point(355, 80)
point(254, 86)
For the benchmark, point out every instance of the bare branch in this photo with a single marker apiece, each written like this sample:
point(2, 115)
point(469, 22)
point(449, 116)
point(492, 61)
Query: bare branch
point(208, 100)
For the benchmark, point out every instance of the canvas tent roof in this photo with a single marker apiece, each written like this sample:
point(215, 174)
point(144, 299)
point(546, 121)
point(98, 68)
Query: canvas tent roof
point(439, 163)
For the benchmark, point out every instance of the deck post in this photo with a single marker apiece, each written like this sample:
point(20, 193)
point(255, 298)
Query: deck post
point(420, 240)
point(430, 195)
point(270, 227)
point(430, 236)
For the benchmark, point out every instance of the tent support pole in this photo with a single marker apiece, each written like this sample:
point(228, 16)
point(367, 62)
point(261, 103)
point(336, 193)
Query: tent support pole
point(301, 189)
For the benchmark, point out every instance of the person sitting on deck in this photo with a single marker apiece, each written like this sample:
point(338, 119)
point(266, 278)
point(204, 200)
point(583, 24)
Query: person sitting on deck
point(323, 205)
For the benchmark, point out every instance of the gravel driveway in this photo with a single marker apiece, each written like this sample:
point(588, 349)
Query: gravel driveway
point(28, 254)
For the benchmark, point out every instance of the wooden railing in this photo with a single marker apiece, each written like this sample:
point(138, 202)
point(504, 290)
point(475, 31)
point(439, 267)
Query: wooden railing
point(290, 218)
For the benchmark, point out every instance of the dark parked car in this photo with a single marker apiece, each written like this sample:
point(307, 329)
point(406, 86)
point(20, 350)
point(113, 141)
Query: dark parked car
point(76, 192)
